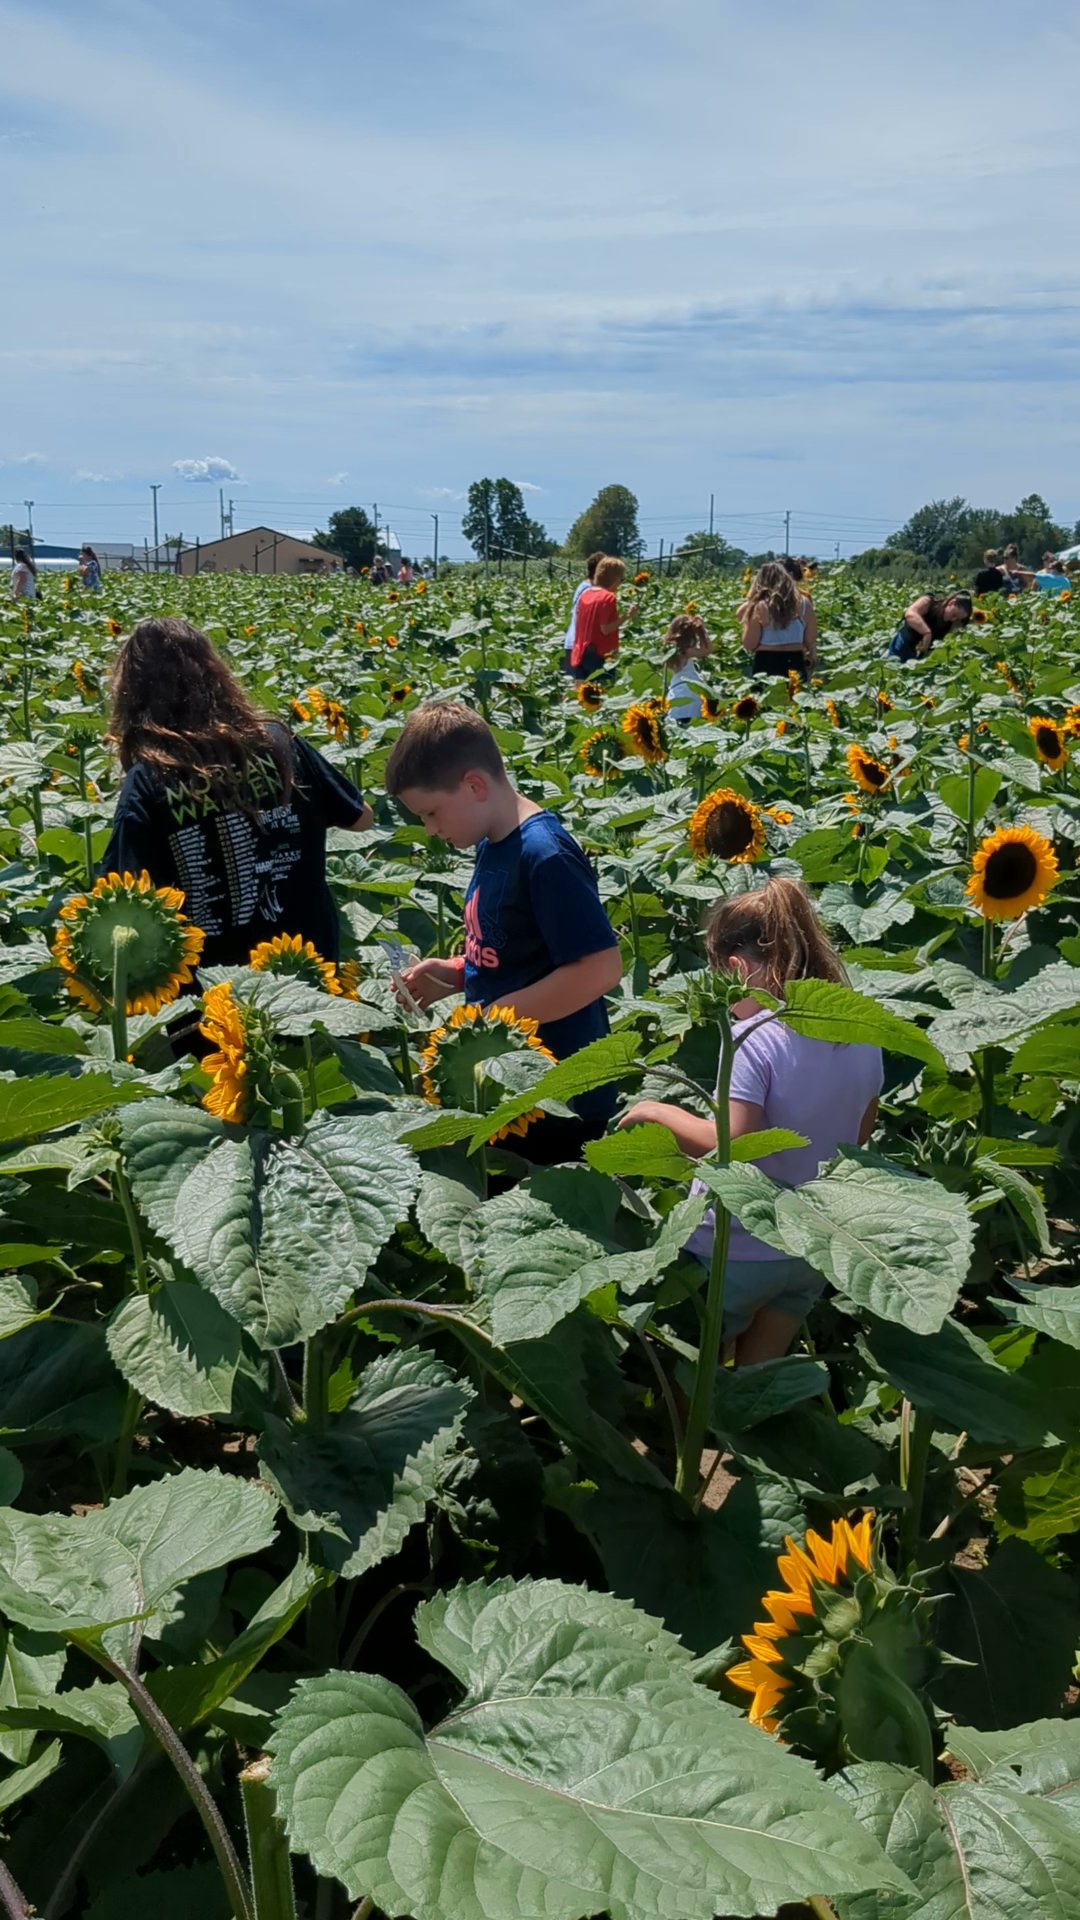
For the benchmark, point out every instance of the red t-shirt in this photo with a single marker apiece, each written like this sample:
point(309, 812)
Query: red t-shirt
point(595, 608)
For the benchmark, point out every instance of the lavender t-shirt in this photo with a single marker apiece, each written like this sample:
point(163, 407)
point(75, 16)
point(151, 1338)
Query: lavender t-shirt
point(819, 1088)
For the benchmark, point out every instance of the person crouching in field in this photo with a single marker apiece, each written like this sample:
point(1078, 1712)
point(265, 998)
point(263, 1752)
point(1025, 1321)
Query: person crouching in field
point(537, 939)
point(779, 625)
point(931, 617)
point(689, 641)
point(823, 1089)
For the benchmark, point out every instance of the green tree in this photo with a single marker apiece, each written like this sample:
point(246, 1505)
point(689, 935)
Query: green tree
point(702, 553)
point(352, 534)
point(1031, 528)
point(609, 525)
point(496, 521)
point(936, 531)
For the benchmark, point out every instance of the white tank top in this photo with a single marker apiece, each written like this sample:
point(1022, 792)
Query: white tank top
point(789, 636)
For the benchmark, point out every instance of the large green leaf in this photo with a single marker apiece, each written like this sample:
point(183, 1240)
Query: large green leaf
point(649, 1150)
point(32, 1107)
point(1044, 1753)
point(30, 1670)
point(296, 1008)
point(897, 1245)
point(825, 1010)
point(1015, 1622)
point(953, 1376)
point(62, 1573)
point(597, 1065)
point(178, 1348)
point(544, 1247)
point(367, 1479)
point(745, 1396)
point(811, 1453)
point(1038, 1495)
point(960, 790)
point(1052, 1310)
point(101, 1713)
point(1054, 1050)
point(991, 1849)
point(281, 1229)
point(58, 1379)
point(983, 1015)
point(190, 1694)
point(583, 1772)
point(448, 1205)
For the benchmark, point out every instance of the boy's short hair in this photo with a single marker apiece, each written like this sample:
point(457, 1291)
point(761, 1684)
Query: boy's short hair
point(439, 744)
point(609, 572)
point(592, 562)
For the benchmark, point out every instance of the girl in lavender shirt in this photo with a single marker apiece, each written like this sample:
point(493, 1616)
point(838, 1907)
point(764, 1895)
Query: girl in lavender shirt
point(825, 1090)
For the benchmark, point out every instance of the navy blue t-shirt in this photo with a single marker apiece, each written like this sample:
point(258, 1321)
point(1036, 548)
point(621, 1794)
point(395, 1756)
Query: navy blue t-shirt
point(532, 906)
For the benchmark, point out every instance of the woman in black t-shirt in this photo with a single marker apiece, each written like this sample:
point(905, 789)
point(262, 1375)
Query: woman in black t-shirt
point(931, 617)
point(226, 805)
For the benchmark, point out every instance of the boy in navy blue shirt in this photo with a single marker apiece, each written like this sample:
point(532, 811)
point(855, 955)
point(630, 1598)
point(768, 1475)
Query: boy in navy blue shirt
point(536, 936)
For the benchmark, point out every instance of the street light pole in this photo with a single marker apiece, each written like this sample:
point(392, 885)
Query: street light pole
point(435, 517)
point(29, 505)
point(154, 490)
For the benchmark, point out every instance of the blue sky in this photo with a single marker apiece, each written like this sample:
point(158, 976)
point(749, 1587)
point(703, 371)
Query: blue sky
point(810, 257)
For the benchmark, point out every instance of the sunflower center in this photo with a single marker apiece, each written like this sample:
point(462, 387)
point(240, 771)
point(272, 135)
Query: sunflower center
point(1009, 871)
point(1048, 742)
point(729, 830)
point(873, 773)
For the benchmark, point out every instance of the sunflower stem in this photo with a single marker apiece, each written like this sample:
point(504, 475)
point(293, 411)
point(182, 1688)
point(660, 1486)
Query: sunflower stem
point(688, 1473)
point(404, 1059)
point(988, 949)
point(131, 1221)
point(972, 770)
point(821, 1908)
point(322, 1633)
point(290, 1094)
point(88, 829)
point(309, 1064)
point(268, 1849)
point(916, 1439)
point(123, 938)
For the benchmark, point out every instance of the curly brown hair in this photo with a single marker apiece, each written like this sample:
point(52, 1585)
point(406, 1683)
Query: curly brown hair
point(178, 709)
point(687, 631)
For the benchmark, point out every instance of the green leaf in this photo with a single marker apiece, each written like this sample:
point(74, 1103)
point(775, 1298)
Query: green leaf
point(11, 1477)
point(1038, 1495)
point(998, 1618)
point(648, 1150)
point(101, 1713)
point(295, 1008)
point(614, 1057)
point(18, 1303)
point(583, 1772)
point(62, 1573)
point(757, 1146)
point(178, 1348)
point(1025, 1199)
point(1045, 1753)
point(32, 1667)
point(812, 1454)
point(1054, 1050)
point(280, 1229)
point(825, 1010)
point(865, 922)
point(955, 792)
point(448, 1206)
point(41, 1036)
point(32, 1107)
point(1051, 1310)
point(897, 1245)
point(953, 1376)
point(189, 1695)
point(367, 1479)
point(983, 1850)
point(544, 1247)
point(745, 1396)
point(57, 1380)
point(28, 1779)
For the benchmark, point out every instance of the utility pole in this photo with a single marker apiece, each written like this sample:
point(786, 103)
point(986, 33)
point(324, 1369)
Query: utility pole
point(232, 528)
point(375, 511)
point(838, 549)
point(221, 509)
point(29, 505)
point(787, 531)
point(155, 490)
point(435, 517)
point(712, 498)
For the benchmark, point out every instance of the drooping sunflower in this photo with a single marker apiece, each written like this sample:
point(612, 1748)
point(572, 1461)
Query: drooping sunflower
point(452, 1063)
point(711, 708)
point(746, 707)
point(159, 960)
point(643, 727)
point(1013, 870)
point(589, 695)
point(871, 775)
point(299, 711)
point(824, 1564)
point(794, 682)
point(335, 721)
point(242, 1064)
point(726, 826)
point(287, 953)
point(833, 712)
point(601, 752)
point(1049, 742)
point(1071, 722)
point(315, 698)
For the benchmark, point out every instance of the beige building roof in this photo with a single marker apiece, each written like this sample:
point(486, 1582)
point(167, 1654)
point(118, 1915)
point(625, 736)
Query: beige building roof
point(260, 550)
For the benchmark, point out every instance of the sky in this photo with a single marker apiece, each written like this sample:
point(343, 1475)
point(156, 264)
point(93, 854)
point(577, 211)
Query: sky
point(811, 259)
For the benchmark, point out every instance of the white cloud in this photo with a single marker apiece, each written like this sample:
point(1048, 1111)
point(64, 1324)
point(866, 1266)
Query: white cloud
point(213, 467)
point(526, 486)
point(22, 460)
point(86, 477)
point(335, 479)
point(440, 493)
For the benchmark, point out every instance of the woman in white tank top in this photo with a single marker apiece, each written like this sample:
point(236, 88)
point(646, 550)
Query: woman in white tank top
point(779, 625)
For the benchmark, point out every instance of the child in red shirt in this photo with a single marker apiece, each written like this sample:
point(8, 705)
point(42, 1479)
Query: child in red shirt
point(596, 632)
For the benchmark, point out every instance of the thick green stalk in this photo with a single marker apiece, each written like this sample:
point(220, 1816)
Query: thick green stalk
point(122, 939)
point(988, 949)
point(971, 780)
point(268, 1850)
point(289, 1094)
point(688, 1474)
point(322, 1629)
point(916, 1439)
point(11, 1899)
point(88, 825)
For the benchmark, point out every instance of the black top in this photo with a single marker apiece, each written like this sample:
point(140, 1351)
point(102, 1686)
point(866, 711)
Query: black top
point(989, 580)
point(245, 877)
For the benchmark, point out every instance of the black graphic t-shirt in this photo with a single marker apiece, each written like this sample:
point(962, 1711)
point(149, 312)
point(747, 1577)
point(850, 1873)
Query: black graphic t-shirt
point(245, 876)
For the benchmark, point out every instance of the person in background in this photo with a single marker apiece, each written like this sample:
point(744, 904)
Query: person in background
point(405, 574)
point(537, 939)
point(23, 576)
point(825, 1090)
point(583, 586)
point(779, 625)
point(89, 569)
point(380, 572)
point(1053, 575)
point(596, 632)
point(1015, 578)
point(931, 617)
point(220, 801)
point(991, 575)
point(689, 640)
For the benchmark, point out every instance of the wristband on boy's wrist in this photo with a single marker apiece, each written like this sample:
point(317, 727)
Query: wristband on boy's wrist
point(456, 963)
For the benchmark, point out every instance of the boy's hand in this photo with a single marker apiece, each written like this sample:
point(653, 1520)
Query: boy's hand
point(430, 980)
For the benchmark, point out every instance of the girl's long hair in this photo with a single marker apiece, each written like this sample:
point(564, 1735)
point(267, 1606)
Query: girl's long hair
point(27, 560)
point(178, 709)
point(775, 926)
point(774, 587)
point(686, 631)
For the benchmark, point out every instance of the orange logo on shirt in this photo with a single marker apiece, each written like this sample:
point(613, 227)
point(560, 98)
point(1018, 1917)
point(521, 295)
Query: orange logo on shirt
point(476, 954)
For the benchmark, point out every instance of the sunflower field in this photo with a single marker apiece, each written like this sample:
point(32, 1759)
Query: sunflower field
point(381, 1531)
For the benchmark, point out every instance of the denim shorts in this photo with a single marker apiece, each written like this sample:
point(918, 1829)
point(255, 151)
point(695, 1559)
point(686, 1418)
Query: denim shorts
point(787, 1286)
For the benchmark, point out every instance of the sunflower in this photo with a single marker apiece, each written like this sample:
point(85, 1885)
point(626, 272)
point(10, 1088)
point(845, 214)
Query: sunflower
point(1071, 722)
point(782, 815)
point(160, 958)
point(711, 708)
point(287, 953)
point(600, 752)
point(726, 827)
point(833, 712)
point(335, 721)
point(248, 631)
point(420, 586)
point(884, 703)
point(642, 726)
point(794, 682)
point(114, 628)
point(589, 695)
point(1049, 743)
point(452, 1063)
point(781, 729)
point(348, 980)
point(746, 707)
point(315, 698)
point(299, 711)
point(86, 686)
point(868, 774)
point(980, 616)
point(964, 742)
point(1013, 870)
point(804, 1570)
point(690, 606)
point(222, 1023)
point(641, 578)
point(398, 695)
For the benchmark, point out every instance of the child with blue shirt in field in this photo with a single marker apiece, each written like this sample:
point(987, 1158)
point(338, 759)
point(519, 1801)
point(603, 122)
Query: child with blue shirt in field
point(536, 936)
